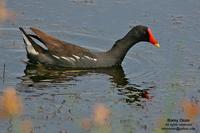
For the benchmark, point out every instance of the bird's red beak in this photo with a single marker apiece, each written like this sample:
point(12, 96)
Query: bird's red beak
point(152, 39)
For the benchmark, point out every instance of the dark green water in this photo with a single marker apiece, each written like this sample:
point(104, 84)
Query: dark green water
point(57, 101)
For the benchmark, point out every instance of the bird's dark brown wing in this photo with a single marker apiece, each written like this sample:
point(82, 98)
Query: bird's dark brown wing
point(58, 47)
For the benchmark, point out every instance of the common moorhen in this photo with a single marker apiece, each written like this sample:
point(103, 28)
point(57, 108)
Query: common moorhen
point(59, 53)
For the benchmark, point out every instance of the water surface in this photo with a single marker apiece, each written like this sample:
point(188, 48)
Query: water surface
point(148, 87)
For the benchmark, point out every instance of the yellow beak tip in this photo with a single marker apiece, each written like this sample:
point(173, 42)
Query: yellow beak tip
point(157, 45)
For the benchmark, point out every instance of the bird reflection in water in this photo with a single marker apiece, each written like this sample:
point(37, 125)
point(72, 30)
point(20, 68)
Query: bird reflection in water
point(132, 92)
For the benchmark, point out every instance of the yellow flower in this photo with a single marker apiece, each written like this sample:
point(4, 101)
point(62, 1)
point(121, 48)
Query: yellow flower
point(101, 114)
point(5, 14)
point(10, 103)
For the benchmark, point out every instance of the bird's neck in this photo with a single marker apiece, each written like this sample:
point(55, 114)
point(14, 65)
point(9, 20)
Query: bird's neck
point(121, 47)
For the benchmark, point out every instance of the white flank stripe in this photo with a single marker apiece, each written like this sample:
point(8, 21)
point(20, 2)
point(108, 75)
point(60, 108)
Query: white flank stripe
point(66, 58)
point(56, 56)
point(70, 59)
point(29, 46)
point(90, 58)
point(77, 57)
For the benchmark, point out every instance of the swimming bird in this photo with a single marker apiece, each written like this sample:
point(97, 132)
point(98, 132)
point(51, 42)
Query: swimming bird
point(61, 54)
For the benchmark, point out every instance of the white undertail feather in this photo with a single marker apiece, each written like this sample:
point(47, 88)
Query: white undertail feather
point(29, 46)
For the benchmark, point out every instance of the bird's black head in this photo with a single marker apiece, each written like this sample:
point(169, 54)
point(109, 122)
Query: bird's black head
point(142, 33)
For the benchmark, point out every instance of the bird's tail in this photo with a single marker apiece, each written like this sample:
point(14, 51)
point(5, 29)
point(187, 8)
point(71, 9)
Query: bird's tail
point(29, 43)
